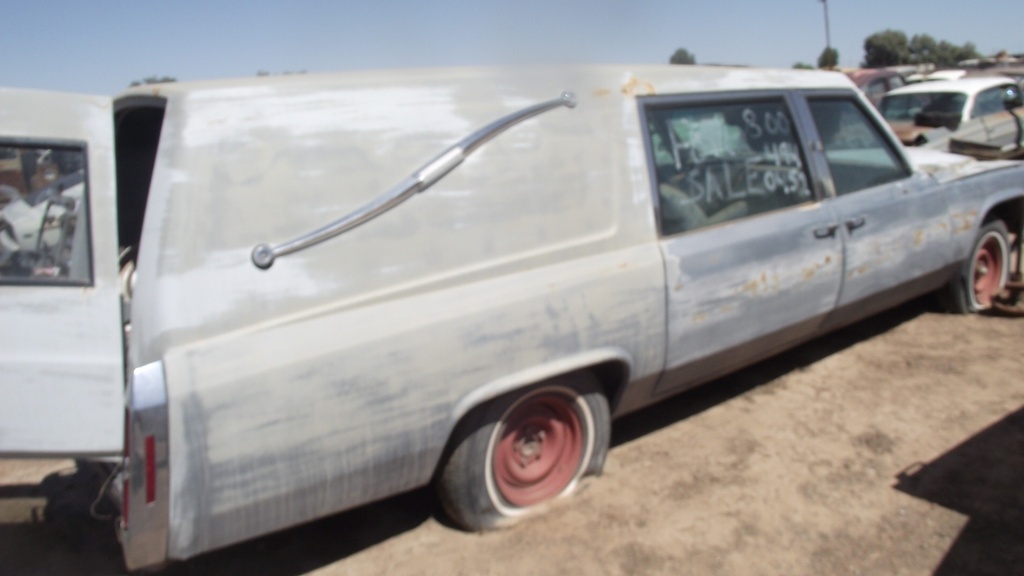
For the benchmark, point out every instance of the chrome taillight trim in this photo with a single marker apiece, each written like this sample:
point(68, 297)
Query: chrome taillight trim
point(144, 535)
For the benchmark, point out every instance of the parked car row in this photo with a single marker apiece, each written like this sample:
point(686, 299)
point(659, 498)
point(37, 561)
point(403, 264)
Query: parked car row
point(876, 82)
point(916, 109)
point(969, 112)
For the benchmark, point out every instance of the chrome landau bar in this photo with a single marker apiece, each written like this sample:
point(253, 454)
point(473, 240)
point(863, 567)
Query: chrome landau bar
point(263, 255)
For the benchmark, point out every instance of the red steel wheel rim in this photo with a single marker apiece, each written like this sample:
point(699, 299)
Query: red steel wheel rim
point(539, 450)
point(988, 271)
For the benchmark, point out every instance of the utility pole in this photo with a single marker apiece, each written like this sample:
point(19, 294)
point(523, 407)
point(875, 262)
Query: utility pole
point(828, 39)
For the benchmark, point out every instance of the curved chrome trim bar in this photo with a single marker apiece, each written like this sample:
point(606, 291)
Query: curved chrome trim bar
point(145, 532)
point(263, 255)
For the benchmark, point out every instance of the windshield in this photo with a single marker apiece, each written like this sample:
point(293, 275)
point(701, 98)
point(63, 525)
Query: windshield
point(905, 107)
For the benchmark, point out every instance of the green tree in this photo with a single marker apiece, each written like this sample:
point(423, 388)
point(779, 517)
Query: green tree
point(948, 54)
point(829, 58)
point(682, 56)
point(890, 48)
point(803, 66)
point(922, 49)
point(887, 48)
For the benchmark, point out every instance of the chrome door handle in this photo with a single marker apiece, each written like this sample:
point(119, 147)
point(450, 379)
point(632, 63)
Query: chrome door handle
point(826, 231)
point(854, 223)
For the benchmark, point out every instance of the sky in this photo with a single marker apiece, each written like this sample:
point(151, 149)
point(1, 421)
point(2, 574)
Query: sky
point(101, 46)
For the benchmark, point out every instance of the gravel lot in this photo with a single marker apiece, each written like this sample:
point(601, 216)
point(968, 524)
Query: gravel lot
point(895, 446)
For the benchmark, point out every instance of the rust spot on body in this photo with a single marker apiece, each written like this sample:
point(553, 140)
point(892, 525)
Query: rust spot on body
point(761, 284)
point(811, 271)
point(635, 87)
point(858, 271)
point(964, 221)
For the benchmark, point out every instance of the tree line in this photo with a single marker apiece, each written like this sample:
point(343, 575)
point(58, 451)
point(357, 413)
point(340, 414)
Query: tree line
point(885, 48)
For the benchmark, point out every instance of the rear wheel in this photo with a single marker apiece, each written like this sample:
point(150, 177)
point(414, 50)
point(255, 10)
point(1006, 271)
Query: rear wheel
point(523, 450)
point(983, 275)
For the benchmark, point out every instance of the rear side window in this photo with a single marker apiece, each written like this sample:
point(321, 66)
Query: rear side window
point(718, 162)
point(989, 102)
point(903, 107)
point(44, 235)
point(859, 156)
point(876, 88)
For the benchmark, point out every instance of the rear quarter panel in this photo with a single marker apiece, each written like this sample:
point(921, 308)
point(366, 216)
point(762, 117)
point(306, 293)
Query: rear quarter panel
point(335, 377)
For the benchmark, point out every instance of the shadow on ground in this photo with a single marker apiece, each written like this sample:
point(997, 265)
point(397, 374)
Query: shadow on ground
point(56, 533)
point(64, 538)
point(983, 479)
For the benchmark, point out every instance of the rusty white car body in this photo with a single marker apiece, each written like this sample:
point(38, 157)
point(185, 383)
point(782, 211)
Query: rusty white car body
point(311, 292)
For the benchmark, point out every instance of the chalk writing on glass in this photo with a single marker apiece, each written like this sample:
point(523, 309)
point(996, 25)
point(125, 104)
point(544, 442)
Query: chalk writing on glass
point(720, 162)
point(775, 123)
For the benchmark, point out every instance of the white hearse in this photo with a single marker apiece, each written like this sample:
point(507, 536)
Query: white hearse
point(267, 300)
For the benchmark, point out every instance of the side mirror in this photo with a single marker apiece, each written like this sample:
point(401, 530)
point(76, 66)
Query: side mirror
point(1012, 98)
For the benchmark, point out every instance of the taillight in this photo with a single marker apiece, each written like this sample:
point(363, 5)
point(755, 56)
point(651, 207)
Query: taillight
point(125, 467)
point(150, 469)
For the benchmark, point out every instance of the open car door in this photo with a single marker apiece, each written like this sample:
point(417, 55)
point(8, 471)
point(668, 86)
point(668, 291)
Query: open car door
point(61, 351)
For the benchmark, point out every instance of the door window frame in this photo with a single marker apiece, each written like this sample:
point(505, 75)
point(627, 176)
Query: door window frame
point(790, 100)
point(819, 163)
point(81, 147)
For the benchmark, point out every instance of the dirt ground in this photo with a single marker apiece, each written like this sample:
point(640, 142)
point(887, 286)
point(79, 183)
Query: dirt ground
point(895, 446)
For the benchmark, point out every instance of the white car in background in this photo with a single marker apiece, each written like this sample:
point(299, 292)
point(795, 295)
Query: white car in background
point(916, 109)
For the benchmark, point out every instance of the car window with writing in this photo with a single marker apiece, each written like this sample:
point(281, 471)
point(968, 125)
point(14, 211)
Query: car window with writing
point(43, 230)
point(719, 162)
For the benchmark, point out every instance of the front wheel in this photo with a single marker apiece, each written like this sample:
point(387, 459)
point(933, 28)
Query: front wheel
point(983, 276)
point(523, 450)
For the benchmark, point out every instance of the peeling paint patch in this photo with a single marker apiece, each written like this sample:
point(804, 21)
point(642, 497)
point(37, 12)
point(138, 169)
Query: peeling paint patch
point(764, 284)
point(811, 271)
point(963, 221)
point(858, 271)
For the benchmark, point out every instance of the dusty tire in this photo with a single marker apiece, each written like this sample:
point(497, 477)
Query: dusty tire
point(983, 274)
point(523, 450)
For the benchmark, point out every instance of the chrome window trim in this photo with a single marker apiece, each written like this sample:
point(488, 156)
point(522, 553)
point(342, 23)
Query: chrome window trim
point(789, 99)
point(873, 116)
point(63, 144)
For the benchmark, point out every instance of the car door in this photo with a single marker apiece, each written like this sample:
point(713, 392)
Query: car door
point(752, 258)
point(894, 222)
point(61, 386)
